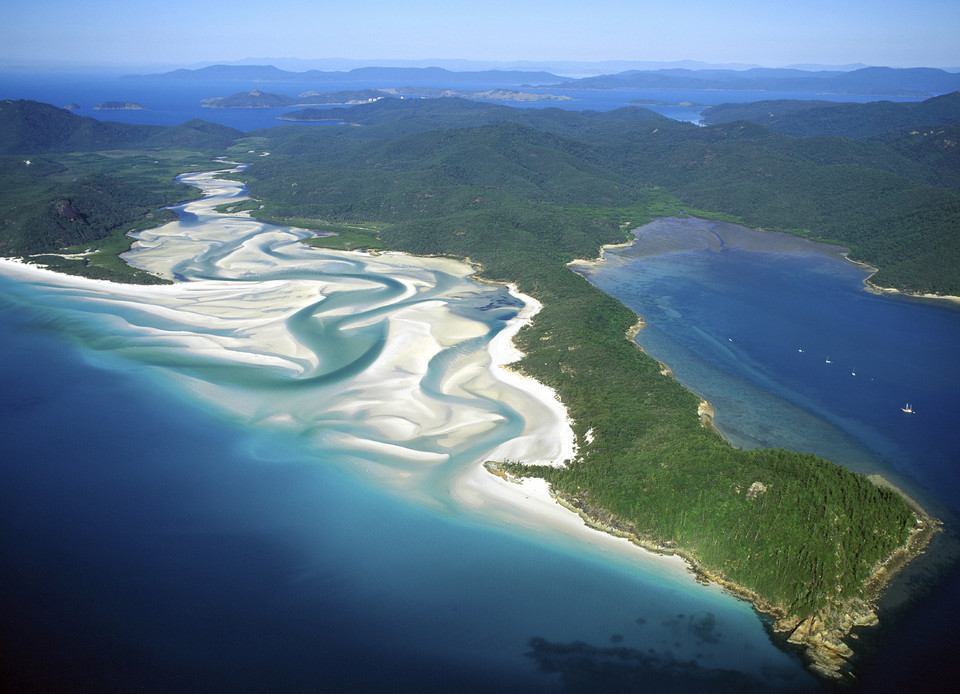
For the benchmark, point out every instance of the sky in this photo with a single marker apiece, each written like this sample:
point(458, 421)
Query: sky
point(895, 33)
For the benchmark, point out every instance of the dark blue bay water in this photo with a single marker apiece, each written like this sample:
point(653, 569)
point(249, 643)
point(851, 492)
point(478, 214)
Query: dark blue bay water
point(792, 351)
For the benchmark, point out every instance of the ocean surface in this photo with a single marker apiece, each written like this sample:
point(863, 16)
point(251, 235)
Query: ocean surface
point(179, 512)
point(174, 102)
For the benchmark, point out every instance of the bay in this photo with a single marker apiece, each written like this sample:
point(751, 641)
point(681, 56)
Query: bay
point(780, 335)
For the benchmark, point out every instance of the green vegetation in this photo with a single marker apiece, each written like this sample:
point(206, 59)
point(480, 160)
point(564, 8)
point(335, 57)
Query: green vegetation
point(893, 199)
point(342, 237)
point(236, 207)
point(857, 121)
point(65, 195)
point(75, 203)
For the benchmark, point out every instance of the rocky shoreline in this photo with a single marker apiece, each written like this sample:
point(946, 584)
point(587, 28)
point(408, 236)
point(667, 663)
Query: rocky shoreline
point(820, 637)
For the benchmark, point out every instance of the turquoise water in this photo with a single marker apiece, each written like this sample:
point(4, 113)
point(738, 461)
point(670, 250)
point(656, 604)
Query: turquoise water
point(181, 520)
point(192, 496)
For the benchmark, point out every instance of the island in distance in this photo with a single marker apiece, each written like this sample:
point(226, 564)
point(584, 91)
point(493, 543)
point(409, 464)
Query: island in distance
point(259, 99)
point(119, 106)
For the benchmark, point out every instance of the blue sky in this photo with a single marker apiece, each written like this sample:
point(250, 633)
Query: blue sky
point(898, 33)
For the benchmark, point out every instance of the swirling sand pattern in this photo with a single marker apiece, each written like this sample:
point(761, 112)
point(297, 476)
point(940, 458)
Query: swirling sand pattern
point(389, 359)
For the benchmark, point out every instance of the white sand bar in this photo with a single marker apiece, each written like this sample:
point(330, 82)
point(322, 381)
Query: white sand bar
point(373, 356)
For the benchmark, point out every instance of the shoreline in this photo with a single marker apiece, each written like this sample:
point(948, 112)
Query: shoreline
point(822, 644)
point(880, 291)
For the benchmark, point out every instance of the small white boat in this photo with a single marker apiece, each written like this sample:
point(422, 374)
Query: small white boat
point(828, 360)
point(906, 408)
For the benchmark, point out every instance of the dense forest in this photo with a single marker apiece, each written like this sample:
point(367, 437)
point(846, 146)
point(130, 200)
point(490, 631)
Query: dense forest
point(857, 121)
point(524, 191)
point(894, 200)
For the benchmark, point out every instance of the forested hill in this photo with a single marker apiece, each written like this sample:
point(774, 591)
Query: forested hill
point(895, 203)
point(878, 81)
point(77, 182)
point(858, 121)
point(32, 128)
point(391, 117)
point(522, 192)
point(895, 200)
point(521, 202)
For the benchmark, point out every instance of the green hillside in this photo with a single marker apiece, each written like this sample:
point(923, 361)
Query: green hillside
point(858, 121)
point(893, 202)
point(33, 128)
point(77, 184)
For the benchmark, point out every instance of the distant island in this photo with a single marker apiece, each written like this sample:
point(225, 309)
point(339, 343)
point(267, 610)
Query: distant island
point(489, 94)
point(870, 81)
point(259, 99)
point(119, 106)
point(876, 81)
point(409, 75)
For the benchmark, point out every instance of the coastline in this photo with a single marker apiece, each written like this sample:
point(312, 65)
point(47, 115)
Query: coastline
point(821, 637)
point(877, 289)
point(869, 285)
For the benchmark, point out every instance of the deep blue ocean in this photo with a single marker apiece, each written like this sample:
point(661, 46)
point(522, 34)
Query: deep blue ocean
point(150, 543)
